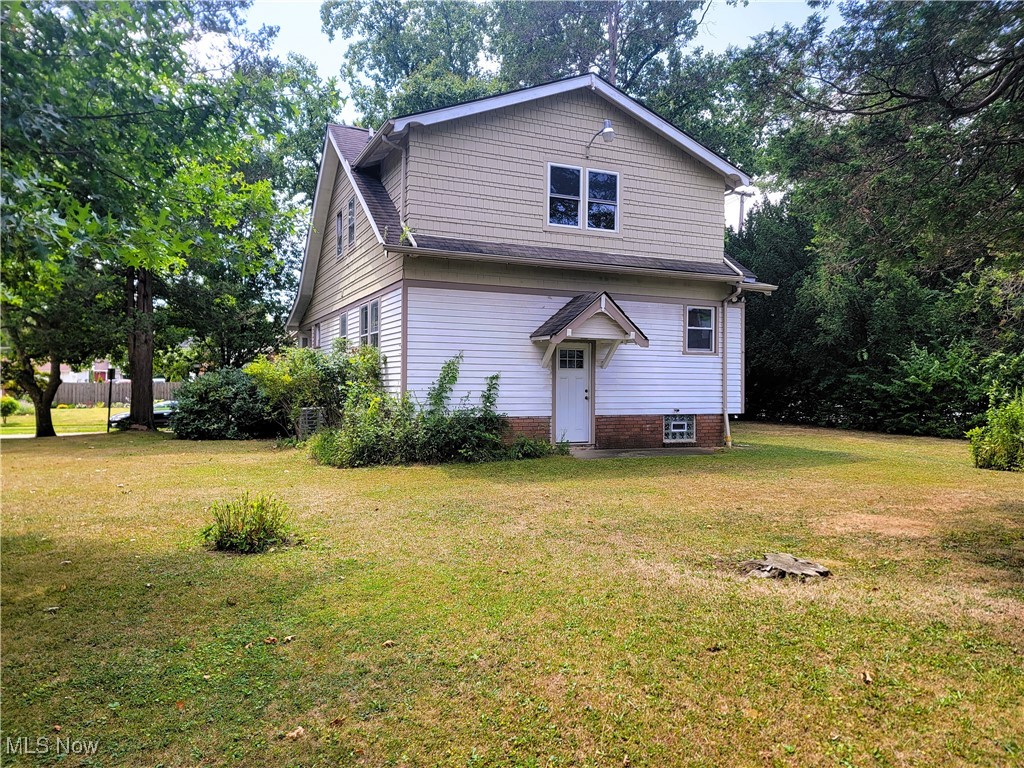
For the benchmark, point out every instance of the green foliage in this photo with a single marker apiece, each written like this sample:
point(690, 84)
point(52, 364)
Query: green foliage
point(8, 407)
point(379, 428)
point(222, 405)
point(248, 525)
point(999, 443)
point(528, 448)
point(298, 378)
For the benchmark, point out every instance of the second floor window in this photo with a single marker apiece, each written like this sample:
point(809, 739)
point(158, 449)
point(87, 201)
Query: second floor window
point(576, 196)
point(338, 232)
point(351, 222)
point(369, 324)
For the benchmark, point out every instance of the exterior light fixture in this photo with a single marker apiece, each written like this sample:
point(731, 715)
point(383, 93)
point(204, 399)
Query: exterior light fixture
point(607, 133)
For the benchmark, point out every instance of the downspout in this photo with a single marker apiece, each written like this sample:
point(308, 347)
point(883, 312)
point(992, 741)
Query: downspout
point(737, 290)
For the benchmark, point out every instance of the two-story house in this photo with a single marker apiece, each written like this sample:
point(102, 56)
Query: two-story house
point(563, 236)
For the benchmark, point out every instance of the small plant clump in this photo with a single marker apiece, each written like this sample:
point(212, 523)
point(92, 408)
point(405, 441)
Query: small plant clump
point(999, 444)
point(248, 525)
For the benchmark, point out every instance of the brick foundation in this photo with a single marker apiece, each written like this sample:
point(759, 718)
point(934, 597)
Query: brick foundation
point(648, 432)
point(536, 427)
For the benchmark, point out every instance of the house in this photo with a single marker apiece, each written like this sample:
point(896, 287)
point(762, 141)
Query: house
point(563, 236)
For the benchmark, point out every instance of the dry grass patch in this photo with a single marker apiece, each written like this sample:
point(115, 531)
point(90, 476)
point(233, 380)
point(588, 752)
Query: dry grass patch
point(553, 612)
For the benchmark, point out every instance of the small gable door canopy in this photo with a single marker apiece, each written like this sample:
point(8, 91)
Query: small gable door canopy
point(589, 317)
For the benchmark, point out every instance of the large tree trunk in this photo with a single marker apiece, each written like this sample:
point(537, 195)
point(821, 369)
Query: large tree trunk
point(41, 396)
point(140, 348)
point(613, 42)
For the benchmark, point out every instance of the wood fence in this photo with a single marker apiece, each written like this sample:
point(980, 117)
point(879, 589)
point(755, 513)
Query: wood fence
point(90, 393)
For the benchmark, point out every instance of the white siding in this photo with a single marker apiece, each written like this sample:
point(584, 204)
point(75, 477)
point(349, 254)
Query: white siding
point(391, 339)
point(600, 326)
point(492, 330)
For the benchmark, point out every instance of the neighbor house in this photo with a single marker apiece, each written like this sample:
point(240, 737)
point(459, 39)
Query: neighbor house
point(562, 236)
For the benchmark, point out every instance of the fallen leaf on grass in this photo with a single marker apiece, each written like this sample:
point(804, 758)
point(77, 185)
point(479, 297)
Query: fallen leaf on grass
point(298, 733)
point(52, 609)
point(866, 677)
point(56, 728)
point(287, 638)
point(248, 645)
point(180, 705)
point(388, 643)
point(337, 722)
point(270, 640)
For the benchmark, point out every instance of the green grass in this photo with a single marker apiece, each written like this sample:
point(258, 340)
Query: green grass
point(65, 421)
point(548, 613)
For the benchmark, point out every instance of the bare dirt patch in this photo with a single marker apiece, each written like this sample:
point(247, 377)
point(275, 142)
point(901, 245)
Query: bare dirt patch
point(885, 525)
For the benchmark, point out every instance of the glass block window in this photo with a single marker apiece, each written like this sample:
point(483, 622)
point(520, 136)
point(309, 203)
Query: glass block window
point(700, 329)
point(680, 429)
point(570, 358)
point(564, 196)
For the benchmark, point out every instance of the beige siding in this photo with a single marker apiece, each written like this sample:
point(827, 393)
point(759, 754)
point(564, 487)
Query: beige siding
point(391, 178)
point(515, 276)
point(485, 178)
point(360, 271)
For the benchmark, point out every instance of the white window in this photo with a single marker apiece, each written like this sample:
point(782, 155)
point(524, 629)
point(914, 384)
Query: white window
point(369, 324)
point(602, 200)
point(316, 336)
point(339, 230)
point(564, 195)
point(700, 329)
point(680, 429)
point(351, 222)
point(343, 326)
point(576, 196)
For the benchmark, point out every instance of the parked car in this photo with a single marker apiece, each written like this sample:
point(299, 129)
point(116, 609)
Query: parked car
point(162, 413)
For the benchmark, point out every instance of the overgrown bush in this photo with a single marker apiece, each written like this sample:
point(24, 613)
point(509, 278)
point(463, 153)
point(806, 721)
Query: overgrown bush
point(298, 378)
point(380, 428)
point(529, 448)
point(222, 405)
point(999, 444)
point(248, 524)
point(8, 407)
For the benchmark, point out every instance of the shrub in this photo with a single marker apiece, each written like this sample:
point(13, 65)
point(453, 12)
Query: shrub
point(300, 378)
point(8, 407)
point(528, 448)
point(247, 524)
point(999, 444)
point(222, 405)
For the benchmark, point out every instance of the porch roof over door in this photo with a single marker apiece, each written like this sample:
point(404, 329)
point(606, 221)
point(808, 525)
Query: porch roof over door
point(593, 316)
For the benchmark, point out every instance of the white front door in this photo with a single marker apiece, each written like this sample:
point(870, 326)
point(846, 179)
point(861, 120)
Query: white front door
point(573, 397)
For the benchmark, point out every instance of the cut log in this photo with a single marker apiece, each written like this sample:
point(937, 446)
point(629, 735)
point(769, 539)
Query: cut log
point(779, 565)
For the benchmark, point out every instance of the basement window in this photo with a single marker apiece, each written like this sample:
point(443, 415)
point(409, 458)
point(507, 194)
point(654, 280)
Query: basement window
point(680, 429)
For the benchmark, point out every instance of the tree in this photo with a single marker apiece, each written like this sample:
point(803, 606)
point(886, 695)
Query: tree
point(117, 108)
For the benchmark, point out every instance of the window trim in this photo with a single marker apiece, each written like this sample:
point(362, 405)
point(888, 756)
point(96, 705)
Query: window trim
point(714, 330)
point(586, 208)
point(352, 221)
point(548, 195)
point(339, 243)
point(676, 416)
point(315, 336)
point(343, 326)
point(369, 324)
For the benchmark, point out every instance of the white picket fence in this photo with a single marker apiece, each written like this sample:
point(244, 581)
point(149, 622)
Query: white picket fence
point(91, 393)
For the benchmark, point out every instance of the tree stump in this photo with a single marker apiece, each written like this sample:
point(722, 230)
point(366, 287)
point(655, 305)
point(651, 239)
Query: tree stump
point(779, 565)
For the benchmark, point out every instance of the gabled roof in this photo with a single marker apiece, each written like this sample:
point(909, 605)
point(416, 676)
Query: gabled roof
point(376, 147)
point(561, 319)
point(570, 322)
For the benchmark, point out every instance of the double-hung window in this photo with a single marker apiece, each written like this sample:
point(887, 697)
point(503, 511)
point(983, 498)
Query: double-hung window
point(339, 231)
point(369, 324)
point(602, 200)
point(351, 222)
point(580, 198)
point(343, 326)
point(700, 329)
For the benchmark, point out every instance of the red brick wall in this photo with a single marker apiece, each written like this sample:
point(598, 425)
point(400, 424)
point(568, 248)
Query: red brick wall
point(648, 432)
point(537, 427)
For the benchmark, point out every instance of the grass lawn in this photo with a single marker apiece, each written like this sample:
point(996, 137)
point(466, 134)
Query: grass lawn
point(548, 613)
point(65, 421)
